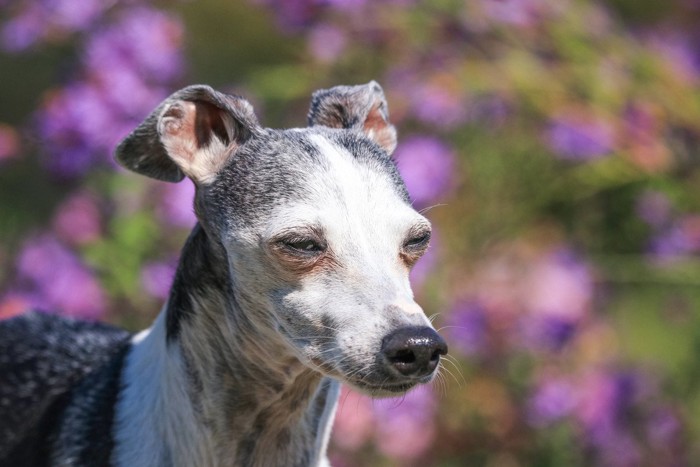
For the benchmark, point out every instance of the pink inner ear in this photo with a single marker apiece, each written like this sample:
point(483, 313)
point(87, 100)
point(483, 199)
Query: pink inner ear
point(179, 120)
point(375, 120)
point(177, 129)
point(378, 129)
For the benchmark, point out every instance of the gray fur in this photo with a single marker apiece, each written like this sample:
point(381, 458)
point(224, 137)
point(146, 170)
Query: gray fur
point(358, 108)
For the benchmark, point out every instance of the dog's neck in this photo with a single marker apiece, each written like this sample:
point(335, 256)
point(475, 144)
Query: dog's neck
point(212, 389)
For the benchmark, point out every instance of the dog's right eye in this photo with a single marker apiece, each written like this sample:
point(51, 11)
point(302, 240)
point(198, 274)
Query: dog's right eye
point(305, 245)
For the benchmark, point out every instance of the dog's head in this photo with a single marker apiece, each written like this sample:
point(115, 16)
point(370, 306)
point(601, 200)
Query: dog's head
point(316, 222)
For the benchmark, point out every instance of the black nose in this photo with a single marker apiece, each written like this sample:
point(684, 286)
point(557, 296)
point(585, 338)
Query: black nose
point(414, 351)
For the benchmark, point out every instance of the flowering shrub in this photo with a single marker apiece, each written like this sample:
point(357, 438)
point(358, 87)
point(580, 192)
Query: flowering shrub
point(553, 144)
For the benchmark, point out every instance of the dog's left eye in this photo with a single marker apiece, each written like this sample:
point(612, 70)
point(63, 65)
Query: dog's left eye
point(418, 242)
point(306, 245)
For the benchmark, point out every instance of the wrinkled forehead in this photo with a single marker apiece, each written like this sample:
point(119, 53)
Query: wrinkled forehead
point(315, 167)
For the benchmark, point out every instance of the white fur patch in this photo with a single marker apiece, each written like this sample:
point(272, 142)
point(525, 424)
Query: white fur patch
point(365, 222)
point(155, 420)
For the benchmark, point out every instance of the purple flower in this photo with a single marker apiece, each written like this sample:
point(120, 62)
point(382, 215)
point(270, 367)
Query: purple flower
point(50, 19)
point(554, 399)
point(157, 277)
point(548, 332)
point(467, 328)
point(74, 16)
point(521, 13)
point(327, 42)
point(25, 29)
point(557, 293)
point(579, 137)
point(77, 126)
point(438, 105)
point(175, 206)
point(77, 219)
point(144, 40)
point(59, 280)
point(559, 285)
point(293, 14)
point(607, 400)
point(427, 166)
point(663, 428)
point(126, 69)
point(679, 52)
point(681, 238)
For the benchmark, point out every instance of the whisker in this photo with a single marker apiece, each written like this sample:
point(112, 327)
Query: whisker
point(450, 326)
point(432, 317)
point(424, 210)
point(455, 365)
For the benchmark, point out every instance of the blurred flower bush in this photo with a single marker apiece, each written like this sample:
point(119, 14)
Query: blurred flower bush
point(553, 143)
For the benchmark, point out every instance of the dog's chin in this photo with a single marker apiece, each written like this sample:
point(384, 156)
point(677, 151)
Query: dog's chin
point(387, 389)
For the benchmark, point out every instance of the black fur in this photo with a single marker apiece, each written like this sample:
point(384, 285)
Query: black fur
point(202, 265)
point(58, 381)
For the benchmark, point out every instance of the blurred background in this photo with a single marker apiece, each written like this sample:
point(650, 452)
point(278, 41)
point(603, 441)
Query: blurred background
point(552, 143)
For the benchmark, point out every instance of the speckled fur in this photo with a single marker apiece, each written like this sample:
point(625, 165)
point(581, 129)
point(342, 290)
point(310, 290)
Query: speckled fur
point(59, 380)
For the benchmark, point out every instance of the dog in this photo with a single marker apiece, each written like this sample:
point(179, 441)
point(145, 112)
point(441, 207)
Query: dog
point(294, 280)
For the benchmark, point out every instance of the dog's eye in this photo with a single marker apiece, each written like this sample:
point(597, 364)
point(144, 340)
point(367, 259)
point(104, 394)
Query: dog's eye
point(306, 245)
point(418, 242)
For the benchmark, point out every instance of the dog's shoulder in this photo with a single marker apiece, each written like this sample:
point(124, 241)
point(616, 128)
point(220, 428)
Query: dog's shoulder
point(42, 357)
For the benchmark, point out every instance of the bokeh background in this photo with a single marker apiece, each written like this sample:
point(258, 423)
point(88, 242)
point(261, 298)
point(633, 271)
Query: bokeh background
point(553, 144)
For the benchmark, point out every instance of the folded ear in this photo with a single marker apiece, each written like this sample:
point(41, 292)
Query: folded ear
point(192, 133)
point(362, 108)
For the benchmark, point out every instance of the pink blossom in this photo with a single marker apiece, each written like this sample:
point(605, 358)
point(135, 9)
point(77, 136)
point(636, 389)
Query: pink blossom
point(553, 399)
point(77, 219)
point(9, 142)
point(327, 43)
point(157, 277)
point(523, 13)
point(467, 328)
point(15, 303)
point(405, 428)
point(427, 166)
point(175, 204)
point(559, 285)
point(354, 420)
point(580, 136)
point(439, 105)
point(25, 29)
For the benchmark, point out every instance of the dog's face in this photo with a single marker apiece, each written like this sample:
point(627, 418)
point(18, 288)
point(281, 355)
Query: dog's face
point(317, 225)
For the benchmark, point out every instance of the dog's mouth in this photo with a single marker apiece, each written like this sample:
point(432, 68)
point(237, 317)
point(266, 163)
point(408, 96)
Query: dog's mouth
point(378, 389)
point(376, 382)
point(386, 388)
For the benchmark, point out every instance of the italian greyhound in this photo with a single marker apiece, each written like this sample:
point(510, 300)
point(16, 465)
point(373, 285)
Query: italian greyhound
point(294, 280)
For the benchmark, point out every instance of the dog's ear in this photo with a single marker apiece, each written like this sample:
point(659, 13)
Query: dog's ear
point(362, 108)
point(192, 133)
